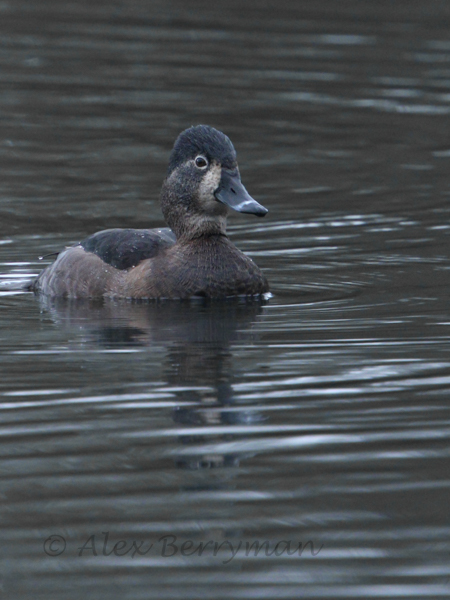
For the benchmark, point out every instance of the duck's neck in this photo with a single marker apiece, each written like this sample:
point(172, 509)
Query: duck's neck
point(199, 226)
point(187, 219)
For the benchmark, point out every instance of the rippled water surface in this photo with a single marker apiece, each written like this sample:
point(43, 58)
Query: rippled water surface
point(179, 450)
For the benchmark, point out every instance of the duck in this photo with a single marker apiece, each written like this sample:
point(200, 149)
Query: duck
point(192, 257)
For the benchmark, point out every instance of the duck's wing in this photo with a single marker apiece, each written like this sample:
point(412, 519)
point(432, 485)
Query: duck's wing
point(126, 248)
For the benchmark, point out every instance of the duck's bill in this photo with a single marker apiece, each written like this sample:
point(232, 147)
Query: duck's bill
point(232, 193)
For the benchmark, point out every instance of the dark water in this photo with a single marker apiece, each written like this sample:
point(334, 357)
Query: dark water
point(321, 416)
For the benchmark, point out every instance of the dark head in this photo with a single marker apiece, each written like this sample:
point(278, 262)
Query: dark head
point(202, 181)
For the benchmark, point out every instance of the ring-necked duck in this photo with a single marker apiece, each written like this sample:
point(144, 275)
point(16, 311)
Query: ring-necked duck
point(192, 258)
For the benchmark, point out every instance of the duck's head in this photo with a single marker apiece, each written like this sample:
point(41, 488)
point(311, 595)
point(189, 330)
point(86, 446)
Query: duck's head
point(203, 180)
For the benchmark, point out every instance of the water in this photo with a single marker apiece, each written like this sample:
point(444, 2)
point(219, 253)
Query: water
point(320, 417)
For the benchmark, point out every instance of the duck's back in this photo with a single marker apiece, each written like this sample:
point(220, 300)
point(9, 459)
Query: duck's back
point(96, 266)
point(126, 248)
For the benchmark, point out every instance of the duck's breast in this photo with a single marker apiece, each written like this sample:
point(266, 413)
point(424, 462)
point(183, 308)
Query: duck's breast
point(210, 267)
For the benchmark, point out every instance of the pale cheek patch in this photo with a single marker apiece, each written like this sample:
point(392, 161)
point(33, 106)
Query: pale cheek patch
point(208, 186)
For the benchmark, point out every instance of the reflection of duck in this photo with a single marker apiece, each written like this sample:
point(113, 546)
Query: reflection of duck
point(198, 340)
point(191, 326)
point(193, 258)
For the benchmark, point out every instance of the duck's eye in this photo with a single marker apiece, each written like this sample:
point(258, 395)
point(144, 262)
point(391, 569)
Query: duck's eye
point(201, 162)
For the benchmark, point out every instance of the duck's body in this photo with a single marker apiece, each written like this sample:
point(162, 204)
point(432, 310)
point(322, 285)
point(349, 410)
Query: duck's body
point(193, 258)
